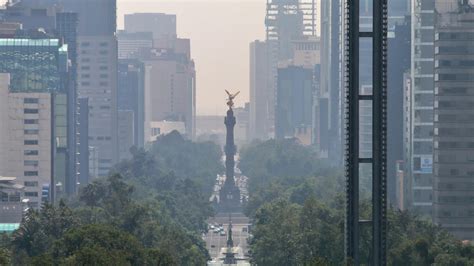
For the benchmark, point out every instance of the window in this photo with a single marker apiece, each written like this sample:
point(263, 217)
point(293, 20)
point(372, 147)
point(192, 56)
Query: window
point(104, 44)
point(31, 152)
point(103, 67)
point(103, 52)
point(31, 194)
point(31, 111)
point(85, 44)
point(104, 76)
point(85, 84)
point(31, 184)
point(104, 84)
point(31, 173)
point(85, 76)
point(31, 131)
point(30, 163)
point(31, 121)
point(85, 68)
point(31, 100)
point(30, 142)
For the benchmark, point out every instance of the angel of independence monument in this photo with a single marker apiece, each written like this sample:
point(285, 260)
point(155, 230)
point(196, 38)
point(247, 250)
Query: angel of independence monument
point(229, 194)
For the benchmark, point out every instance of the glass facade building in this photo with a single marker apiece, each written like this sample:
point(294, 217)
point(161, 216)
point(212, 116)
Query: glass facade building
point(41, 66)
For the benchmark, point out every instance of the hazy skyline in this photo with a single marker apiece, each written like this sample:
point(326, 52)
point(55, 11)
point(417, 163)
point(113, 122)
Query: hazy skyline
point(220, 33)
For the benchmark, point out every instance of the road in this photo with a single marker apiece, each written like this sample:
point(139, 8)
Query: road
point(216, 243)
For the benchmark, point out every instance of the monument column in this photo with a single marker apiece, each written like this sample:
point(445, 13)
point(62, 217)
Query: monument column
point(229, 195)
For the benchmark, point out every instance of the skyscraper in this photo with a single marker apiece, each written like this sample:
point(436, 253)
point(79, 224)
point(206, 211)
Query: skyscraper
point(419, 148)
point(453, 187)
point(170, 68)
point(294, 108)
point(285, 21)
point(37, 120)
point(259, 107)
point(131, 97)
point(162, 26)
point(97, 73)
point(49, 16)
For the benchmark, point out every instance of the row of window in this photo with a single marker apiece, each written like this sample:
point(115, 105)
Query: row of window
point(89, 68)
point(31, 152)
point(88, 44)
point(30, 111)
point(103, 76)
point(31, 131)
point(100, 138)
point(31, 100)
point(102, 84)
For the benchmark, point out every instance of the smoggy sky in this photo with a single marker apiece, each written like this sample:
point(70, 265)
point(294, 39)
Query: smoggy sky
point(220, 33)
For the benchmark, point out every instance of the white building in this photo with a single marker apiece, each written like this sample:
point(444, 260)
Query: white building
point(25, 139)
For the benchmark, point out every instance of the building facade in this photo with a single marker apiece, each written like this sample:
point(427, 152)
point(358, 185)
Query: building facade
point(453, 188)
point(419, 164)
point(294, 108)
point(97, 74)
point(259, 91)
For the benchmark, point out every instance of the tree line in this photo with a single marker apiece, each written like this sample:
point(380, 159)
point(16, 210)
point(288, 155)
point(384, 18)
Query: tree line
point(297, 204)
point(151, 210)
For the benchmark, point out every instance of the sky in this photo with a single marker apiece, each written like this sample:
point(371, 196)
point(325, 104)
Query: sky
point(220, 33)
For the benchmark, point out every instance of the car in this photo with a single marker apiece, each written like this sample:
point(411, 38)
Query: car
point(223, 233)
point(217, 230)
point(211, 227)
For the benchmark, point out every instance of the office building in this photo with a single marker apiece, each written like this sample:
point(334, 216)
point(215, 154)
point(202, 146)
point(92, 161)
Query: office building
point(36, 103)
point(97, 74)
point(162, 26)
point(126, 136)
point(330, 75)
point(170, 76)
point(453, 165)
point(259, 91)
point(285, 21)
point(83, 147)
point(131, 43)
point(398, 63)
point(131, 96)
point(49, 16)
point(173, 95)
point(419, 164)
point(294, 108)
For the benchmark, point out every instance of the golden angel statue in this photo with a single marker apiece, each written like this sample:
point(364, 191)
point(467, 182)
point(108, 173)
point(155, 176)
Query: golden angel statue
point(230, 100)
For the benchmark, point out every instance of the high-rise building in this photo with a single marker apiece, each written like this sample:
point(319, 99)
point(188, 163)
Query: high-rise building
point(169, 68)
point(48, 16)
point(419, 164)
point(285, 21)
point(162, 26)
point(126, 126)
point(173, 95)
point(131, 97)
point(131, 43)
point(97, 74)
point(330, 73)
point(83, 148)
point(37, 120)
point(294, 109)
point(453, 186)
point(259, 90)
point(398, 63)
